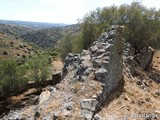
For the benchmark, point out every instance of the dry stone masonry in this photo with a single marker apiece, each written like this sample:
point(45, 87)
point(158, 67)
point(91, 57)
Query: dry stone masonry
point(87, 79)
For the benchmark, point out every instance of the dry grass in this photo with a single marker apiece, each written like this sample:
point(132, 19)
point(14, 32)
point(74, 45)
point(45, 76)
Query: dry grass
point(57, 65)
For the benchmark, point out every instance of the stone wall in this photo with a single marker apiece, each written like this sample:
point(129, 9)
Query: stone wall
point(104, 59)
point(110, 70)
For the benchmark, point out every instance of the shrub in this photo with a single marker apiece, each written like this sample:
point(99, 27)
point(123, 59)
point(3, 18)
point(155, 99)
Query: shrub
point(12, 78)
point(38, 68)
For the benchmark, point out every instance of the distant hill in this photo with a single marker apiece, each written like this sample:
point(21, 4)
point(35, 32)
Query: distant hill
point(36, 25)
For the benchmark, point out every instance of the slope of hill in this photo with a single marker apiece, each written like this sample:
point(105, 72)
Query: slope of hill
point(44, 37)
point(14, 30)
point(15, 48)
point(37, 25)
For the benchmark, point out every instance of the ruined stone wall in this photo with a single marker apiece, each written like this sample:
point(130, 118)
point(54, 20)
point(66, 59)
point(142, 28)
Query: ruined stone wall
point(110, 71)
point(104, 59)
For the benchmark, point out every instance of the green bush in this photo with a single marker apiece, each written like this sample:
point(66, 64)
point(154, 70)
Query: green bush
point(70, 44)
point(12, 78)
point(38, 68)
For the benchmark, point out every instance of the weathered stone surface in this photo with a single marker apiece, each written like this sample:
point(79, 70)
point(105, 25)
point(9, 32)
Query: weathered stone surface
point(97, 117)
point(100, 51)
point(157, 92)
point(101, 74)
point(128, 60)
point(44, 96)
point(88, 115)
point(146, 57)
point(88, 71)
point(89, 104)
point(69, 105)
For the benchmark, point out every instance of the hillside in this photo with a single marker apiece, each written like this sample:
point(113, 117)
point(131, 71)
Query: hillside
point(44, 37)
point(11, 47)
point(14, 30)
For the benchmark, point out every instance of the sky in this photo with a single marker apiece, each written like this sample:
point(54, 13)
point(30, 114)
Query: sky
point(57, 11)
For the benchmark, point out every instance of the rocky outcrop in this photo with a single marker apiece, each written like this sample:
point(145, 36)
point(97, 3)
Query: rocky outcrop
point(88, 78)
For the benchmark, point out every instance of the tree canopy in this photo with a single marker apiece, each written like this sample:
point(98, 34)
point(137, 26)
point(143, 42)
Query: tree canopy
point(142, 25)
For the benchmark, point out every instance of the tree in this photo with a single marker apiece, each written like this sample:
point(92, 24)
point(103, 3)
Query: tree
point(141, 24)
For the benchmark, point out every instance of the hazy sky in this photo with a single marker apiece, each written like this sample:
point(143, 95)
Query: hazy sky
point(57, 11)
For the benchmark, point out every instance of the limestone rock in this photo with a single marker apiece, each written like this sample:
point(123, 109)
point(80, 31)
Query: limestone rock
point(44, 96)
point(87, 114)
point(89, 104)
